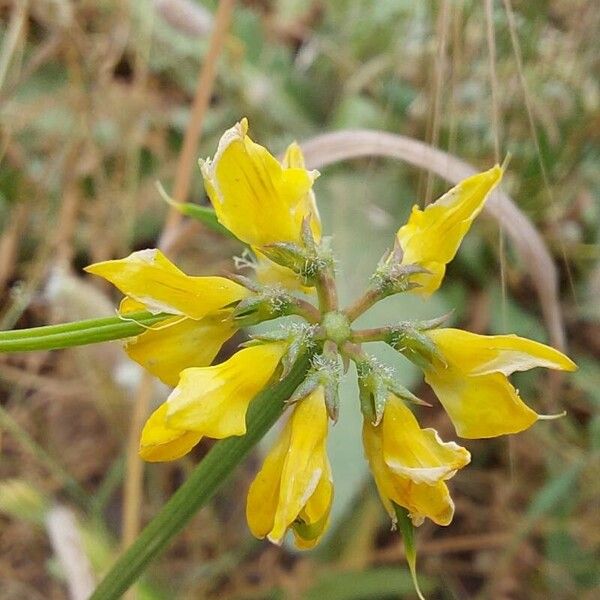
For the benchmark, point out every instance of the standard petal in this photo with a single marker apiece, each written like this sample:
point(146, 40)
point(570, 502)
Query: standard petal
point(179, 343)
point(482, 354)
point(149, 277)
point(482, 406)
point(254, 196)
point(420, 499)
point(213, 400)
point(305, 461)
point(416, 453)
point(161, 443)
point(432, 236)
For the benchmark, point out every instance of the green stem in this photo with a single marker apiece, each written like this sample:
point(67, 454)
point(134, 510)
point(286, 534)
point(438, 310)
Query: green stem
point(206, 479)
point(327, 291)
point(79, 333)
point(377, 334)
point(362, 304)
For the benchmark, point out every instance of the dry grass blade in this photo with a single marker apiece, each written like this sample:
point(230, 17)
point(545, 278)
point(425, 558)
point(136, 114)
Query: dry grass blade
point(331, 148)
point(443, 26)
point(187, 17)
point(63, 532)
point(191, 140)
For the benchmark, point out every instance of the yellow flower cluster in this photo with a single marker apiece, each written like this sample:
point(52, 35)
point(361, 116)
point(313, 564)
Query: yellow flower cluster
point(270, 206)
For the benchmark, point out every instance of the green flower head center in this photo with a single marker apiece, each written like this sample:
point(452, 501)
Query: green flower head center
point(337, 327)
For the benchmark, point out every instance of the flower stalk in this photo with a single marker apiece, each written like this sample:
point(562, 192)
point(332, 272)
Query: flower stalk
point(79, 333)
point(362, 304)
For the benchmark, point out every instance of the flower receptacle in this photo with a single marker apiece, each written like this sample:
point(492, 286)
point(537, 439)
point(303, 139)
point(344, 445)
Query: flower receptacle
point(336, 327)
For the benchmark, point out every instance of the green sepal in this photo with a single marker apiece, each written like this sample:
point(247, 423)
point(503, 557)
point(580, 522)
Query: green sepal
point(392, 277)
point(270, 303)
point(286, 254)
point(308, 260)
point(375, 383)
point(331, 391)
point(302, 340)
point(306, 388)
point(418, 347)
point(431, 323)
point(401, 392)
point(407, 532)
point(371, 389)
point(325, 372)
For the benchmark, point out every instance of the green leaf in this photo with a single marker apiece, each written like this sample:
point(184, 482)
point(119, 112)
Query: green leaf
point(78, 333)
point(206, 479)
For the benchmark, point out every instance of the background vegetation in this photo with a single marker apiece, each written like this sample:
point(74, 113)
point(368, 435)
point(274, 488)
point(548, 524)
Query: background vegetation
point(94, 103)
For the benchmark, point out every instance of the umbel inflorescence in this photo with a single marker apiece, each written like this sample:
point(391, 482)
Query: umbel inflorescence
point(270, 207)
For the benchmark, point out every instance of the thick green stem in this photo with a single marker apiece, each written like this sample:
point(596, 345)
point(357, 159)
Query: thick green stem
point(208, 476)
point(79, 333)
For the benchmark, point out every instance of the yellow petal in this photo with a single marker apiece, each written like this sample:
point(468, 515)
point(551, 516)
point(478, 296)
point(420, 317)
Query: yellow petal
point(270, 273)
point(160, 442)
point(432, 236)
point(416, 453)
point(263, 495)
point(313, 519)
point(179, 343)
point(213, 400)
point(129, 305)
point(481, 354)
point(304, 463)
point(149, 277)
point(254, 196)
point(293, 488)
point(480, 406)
point(294, 159)
point(421, 500)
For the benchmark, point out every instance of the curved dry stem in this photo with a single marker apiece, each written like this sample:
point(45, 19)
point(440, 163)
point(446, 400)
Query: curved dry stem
point(330, 148)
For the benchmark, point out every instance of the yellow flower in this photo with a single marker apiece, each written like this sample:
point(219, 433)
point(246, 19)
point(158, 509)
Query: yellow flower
point(473, 385)
point(258, 199)
point(159, 442)
point(198, 329)
point(210, 401)
point(294, 489)
point(264, 202)
point(432, 236)
point(178, 343)
point(416, 453)
point(150, 278)
point(422, 500)
point(270, 273)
